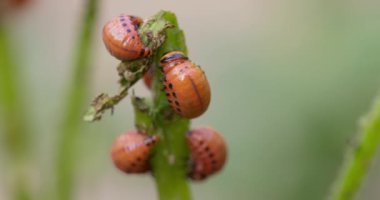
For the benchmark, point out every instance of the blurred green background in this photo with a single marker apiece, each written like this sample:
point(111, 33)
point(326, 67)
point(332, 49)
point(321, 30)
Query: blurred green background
point(289, 81)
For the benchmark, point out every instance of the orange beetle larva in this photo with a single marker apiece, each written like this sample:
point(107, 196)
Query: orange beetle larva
point(122, 39)
point(185, 84)
point(130, 151)
point(208, 152)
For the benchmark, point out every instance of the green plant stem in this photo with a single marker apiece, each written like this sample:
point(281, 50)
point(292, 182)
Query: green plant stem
point(16, 136)
point(169, 160)
point(74, 108)
point(359, 158)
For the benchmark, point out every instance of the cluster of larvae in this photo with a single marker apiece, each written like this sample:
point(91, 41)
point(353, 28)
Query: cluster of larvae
point(131, 151)
point(188, 93)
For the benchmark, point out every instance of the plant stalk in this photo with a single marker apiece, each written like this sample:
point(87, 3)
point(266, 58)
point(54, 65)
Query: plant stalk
point(77, 93)
point(359, 158)
point(169, 160)
point(15, 132)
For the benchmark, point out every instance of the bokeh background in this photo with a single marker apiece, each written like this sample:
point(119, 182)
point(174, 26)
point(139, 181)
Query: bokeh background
point(290, 80)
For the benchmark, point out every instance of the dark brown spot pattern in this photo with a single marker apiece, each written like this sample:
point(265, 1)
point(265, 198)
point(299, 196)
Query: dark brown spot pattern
point(120, 36)
point(130, 152)
point(208, 152)
point(186, 84)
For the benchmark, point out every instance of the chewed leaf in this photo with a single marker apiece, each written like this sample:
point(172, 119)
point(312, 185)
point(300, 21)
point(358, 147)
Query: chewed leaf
point(90, 115)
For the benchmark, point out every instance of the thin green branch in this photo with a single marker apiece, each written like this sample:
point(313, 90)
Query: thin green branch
point(16, 136)
point(129, 72)
point(358, 159)
point(75, 100)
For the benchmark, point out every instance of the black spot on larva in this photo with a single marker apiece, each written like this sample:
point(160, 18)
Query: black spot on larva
point(133, 164)
point(125, 24)
point(168, 94)
point(211, 155)
point(133, 37)
point(186, 67)
point(177, 103)
point(170, 86)
point(122, 18)
point(181, 70)
point(138, 159)
point(164, 87)
point(207, 148)
point(128, 30)
point(142, 52)
point(136, 27)
point(164, 79)
point(170, 101)
point(202, 176)
point(214, 162)
point(179, 110)
point(174, 94)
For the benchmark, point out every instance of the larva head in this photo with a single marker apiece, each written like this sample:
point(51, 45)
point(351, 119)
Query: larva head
point(135, 19)
point(208, 152)
point(130, 151)
point(121, 38)
point(172, 57)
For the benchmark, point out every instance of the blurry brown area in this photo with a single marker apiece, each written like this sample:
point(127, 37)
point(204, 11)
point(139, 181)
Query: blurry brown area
point(19, 3)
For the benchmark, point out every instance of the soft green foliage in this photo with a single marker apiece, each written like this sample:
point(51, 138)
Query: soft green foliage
point(16, 135)
point(77, 93)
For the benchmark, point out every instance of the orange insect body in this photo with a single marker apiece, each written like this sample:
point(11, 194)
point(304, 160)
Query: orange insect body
point(130, 152)
point(185, 84)
point(122, 39)
point(208, 152)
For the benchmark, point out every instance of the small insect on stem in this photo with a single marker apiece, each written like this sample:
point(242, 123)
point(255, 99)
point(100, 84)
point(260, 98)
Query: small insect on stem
point(186, 86)
point(130, 151)
point(121, 38)
point(208, 152)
